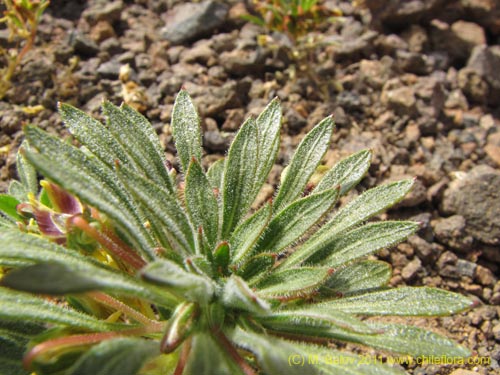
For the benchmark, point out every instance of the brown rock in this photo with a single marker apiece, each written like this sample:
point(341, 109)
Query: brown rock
point(375, 73)
point(476, 197)
point(452, 232)
point(102, 31)
point(466, 35)
point(484, 276)
point(409, 272)
point(401, 100)
point(492, 148)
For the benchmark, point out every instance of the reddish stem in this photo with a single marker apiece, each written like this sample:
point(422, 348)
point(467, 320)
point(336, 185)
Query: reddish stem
point(123, 253)
point(233, 353)
point(127, 310)
point(77, 340)
point(183, 357)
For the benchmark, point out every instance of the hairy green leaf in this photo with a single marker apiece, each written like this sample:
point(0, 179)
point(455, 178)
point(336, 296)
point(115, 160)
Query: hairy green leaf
point(268, 138)
point(18, 306)
point(95, 136)
point(201, 202)
point(207, 357)
point(221, 257)
point(313, 321)
point(293, 221)
point(26, 172)
point(135, 135)
point(413, 341)
point(408, 301)
point(303, 164)
point(91, 181)
point(360, 209)
point(14, 336)
point(20, 246)
point(292, 283)
point(161, 207)
point(186, 129)
point(363, 241)
point(165, 273)
point(215, 174)
point(368, 204)
point(358, 277)
point(50, 278)
point(272, 354)
point(239, 177)
point(346, 173)
point(238, 295)
point(121, 356)
point(248, 232)
point(256, 266)
point(149, 137)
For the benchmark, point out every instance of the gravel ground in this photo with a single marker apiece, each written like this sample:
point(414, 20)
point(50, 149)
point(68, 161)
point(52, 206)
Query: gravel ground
point(414, 81)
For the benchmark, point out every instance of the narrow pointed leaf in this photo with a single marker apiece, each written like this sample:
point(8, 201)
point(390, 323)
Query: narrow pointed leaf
point(358, 277)
point(151, 139)
point(303, 164)
point(239, 177)
point(293, 221)
point(406, 301)
point(248, 232)
point(49, 278)
point(17, 190)
point(14, 338)
point(347, 173)
point(256, 266)
point(91, 181)
point(26, 172)
point(293, 282)
point(165, 273)
point(122, 356)
point(18, 306)
point(363, 241)
point(238, 295)
point(18, 246)
point(221, 256)
point(273, 354)
point(215, 174)
point(368, 204)
point(268, 125)
point(137, 144)
point(161, 207)
point(94, 135)
point(207, 357)
point(313, 321)
point(413, 341)
point(200, 265)
point(201, 202)
point(186, 129)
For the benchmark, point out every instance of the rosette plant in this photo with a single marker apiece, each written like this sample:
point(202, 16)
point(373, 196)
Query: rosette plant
point(120, 266)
